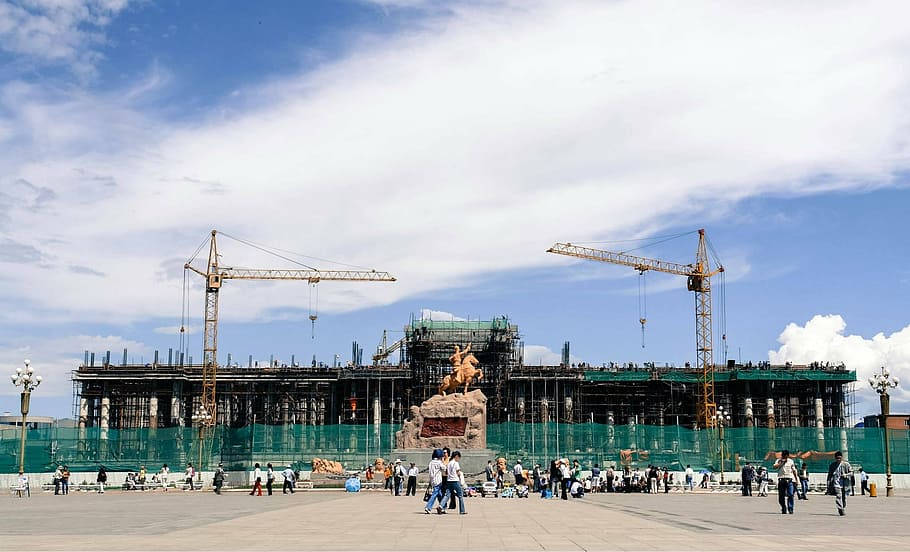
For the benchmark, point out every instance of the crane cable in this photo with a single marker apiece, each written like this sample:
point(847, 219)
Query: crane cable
point(722, 299)
point(642, 304)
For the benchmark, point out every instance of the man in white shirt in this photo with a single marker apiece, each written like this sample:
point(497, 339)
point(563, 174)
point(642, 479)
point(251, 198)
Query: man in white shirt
point(434, 470)
point(453, 481)
point(288, 475)
point(23, 486)
point(518, 472)
point(412, 480)
point(786, 478)
point(690, 478)
point(863, 481)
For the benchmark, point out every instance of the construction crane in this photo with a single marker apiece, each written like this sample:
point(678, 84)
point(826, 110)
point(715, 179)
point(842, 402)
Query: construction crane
point(384, 349)
point(699, 281)
point(215, 274)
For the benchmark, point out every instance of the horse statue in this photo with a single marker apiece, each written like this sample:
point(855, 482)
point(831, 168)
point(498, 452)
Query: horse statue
point(463, 373)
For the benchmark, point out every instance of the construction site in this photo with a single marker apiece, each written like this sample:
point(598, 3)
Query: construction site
point(350, 410)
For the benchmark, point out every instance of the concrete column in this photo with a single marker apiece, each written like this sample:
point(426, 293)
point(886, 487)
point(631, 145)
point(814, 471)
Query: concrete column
point(632, 434)
point(322, 411)
point(611, 430)
point(83, 412)
point(771, 421)
point(284, 410)
point(105, 415)
point(544, 410)
point(175, 411)
point(750, 417)
point(312, 413)
point(153, 412)
point(568, 413)
point(521, 409)
point(376, 412)
point(820, 423)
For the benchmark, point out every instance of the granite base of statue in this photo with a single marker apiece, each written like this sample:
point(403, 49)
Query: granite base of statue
point(457, 421)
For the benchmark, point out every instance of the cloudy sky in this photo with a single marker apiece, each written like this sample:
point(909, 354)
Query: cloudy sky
point(451, 143)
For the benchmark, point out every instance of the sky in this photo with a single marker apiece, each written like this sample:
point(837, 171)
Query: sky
point(451, 143)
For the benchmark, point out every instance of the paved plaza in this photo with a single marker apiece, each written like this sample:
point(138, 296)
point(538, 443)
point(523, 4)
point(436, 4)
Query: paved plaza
point(333, 520)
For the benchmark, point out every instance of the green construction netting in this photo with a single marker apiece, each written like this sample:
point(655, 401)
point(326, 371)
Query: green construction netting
point(742, 375)
point(355, 446)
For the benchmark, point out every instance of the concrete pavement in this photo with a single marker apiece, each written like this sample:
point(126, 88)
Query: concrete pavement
point(331, 520)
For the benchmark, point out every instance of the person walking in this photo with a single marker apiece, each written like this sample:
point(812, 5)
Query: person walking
point(488, 471)
point(453, 470)
point(610, 477)
point(841, 480)
point(536, 475)
point(786, 478)
point(762, 481)
point(803, 482)
point(863, 481)
point(288, 475)
point(257, 480)
point(748, 474)
point(666, 480)
point(413, 472)
point(143, 475)
point(565, 478)
point(218, 480)
point(269, 478)
point(189, 475)
point(58, 477)
point(163, 476)
point(434, 470)
point(397, 477)
point(65, 480)
point(101, 479)
point(690, 478)
point(653, 480)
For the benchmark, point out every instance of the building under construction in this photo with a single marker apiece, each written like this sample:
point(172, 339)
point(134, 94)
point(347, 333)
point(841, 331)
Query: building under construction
point(165, 394)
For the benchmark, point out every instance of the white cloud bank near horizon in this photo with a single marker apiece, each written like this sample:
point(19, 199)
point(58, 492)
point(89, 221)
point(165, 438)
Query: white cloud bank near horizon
point(822, 339)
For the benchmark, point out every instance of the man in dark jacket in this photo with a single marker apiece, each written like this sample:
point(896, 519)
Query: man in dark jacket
point(748, 474)
point(219, 478)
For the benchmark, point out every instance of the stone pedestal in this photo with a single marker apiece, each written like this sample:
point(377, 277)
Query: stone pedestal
point(457, 421)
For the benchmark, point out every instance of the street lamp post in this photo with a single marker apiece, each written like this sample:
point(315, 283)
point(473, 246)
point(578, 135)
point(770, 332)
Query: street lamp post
point(881, 382)
point(201, 417)
point(721, 419)
point(28, 381)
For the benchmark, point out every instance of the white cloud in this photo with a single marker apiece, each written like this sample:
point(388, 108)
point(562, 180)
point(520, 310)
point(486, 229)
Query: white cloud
point(541, 355)
point(429, 314)
point(460, 149)
point(60, 32)
point(822, 339)
point(55, 358)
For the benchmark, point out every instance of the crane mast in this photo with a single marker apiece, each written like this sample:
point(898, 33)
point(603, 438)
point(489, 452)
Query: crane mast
point(698, 281)
point(215, 274)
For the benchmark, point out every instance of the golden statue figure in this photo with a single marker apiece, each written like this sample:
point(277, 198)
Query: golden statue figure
point(464, 370)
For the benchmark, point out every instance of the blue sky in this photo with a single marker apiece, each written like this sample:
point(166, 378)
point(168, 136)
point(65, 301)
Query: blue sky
point(451, 144)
